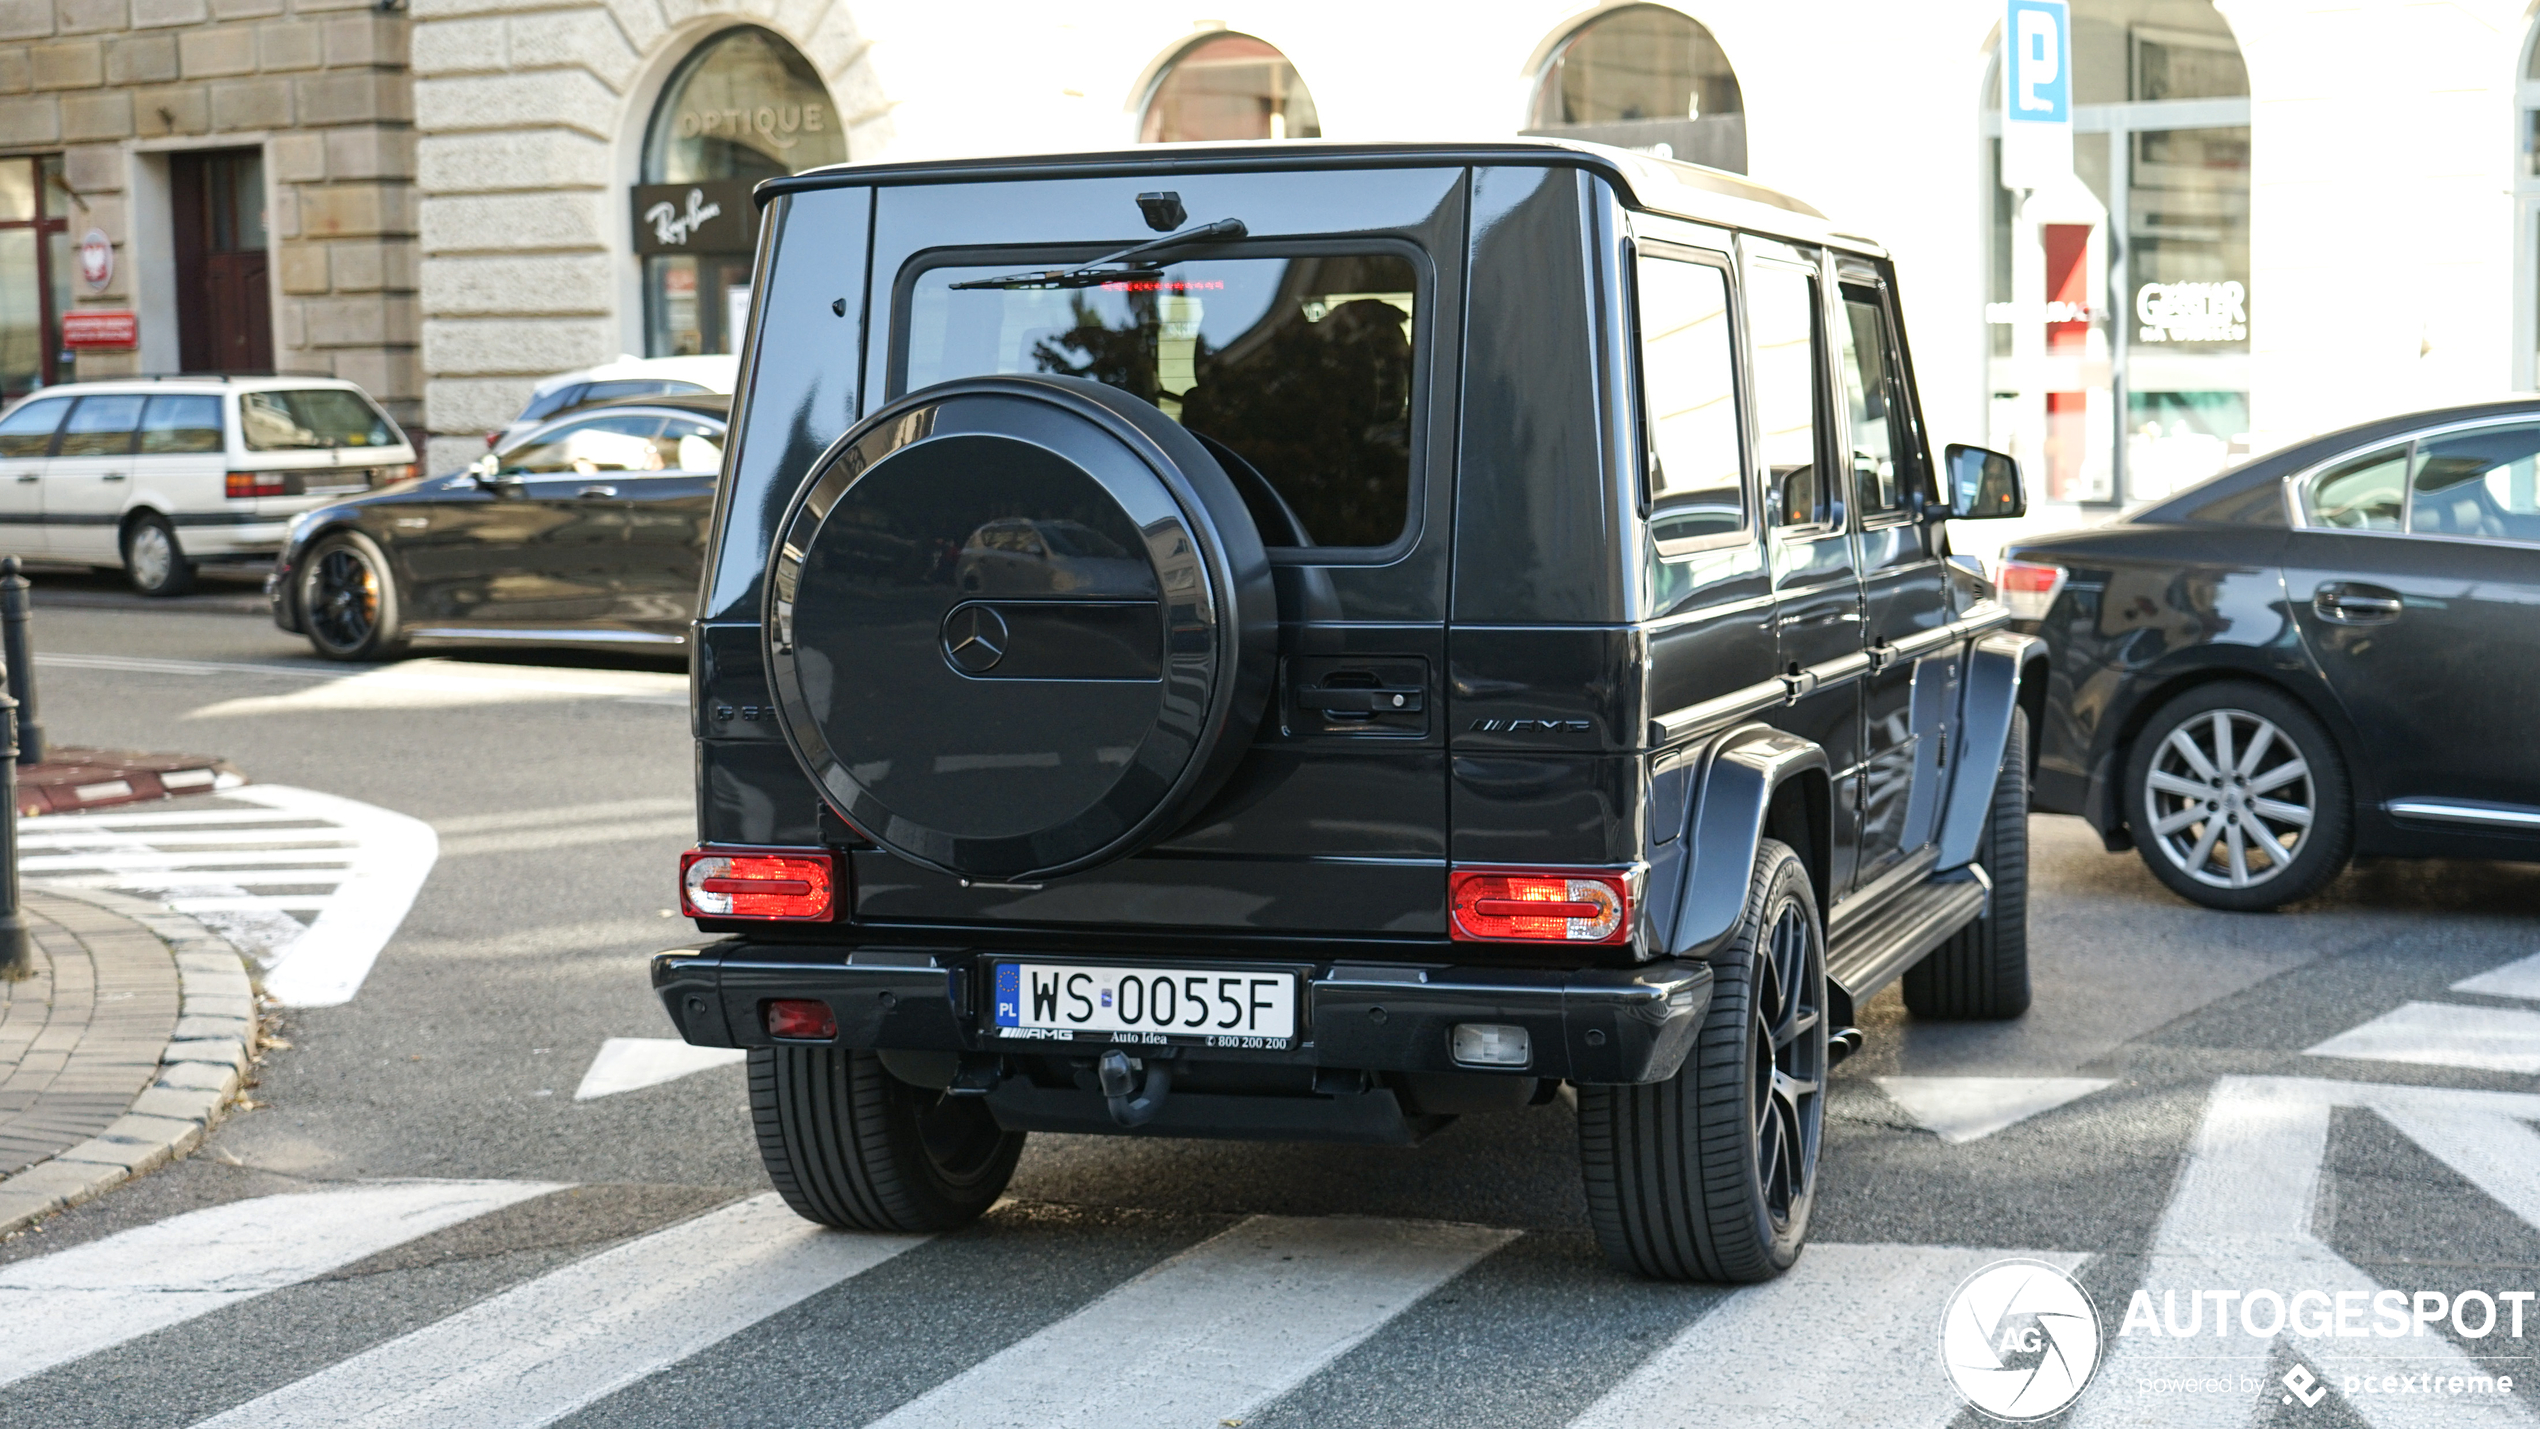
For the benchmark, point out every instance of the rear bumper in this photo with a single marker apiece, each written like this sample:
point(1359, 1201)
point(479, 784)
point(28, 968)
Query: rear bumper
point(1611, 1026)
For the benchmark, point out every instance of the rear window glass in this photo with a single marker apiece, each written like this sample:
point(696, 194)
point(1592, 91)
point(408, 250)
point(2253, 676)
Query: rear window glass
point(181, 424)
point(28, 431)
point(636, 387)
point(1296, 372)
point(100, 426)
point(312, 417)
point(547, 404)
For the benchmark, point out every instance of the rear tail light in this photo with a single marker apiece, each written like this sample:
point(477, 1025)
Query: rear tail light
point(1539, 906)
point(801, 1017)
point(2029, 588)
point(751, 883)
point(244, 484)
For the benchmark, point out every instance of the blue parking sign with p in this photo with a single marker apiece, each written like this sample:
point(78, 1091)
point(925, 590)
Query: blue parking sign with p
point(2037, 77)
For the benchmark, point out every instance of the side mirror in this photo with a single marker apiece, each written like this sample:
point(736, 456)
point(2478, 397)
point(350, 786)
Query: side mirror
point(1984, 485)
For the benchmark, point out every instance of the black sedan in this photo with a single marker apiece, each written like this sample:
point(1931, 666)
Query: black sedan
point(2328, 652)
point(589, 529)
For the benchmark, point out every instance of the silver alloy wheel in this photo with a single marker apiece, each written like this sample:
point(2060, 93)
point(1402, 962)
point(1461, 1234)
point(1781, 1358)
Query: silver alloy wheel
point(2231, 798)
point(151, 555)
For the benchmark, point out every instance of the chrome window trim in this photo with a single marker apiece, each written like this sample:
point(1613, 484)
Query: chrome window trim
point(2296, 485)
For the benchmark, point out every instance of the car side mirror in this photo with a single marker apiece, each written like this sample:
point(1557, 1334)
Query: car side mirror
point(1984, 485)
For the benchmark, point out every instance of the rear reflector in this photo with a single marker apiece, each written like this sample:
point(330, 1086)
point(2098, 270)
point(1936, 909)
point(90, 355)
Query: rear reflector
point(243, 484)
point(2029, 588)
point(801, 1017)
point(734, 883)
point(1547, 906)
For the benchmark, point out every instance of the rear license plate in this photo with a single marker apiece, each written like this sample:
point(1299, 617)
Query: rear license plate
point(1218, 1007)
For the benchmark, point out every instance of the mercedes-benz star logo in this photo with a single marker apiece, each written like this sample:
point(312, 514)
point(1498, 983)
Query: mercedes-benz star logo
point(974, 638)
point(2019, 1340)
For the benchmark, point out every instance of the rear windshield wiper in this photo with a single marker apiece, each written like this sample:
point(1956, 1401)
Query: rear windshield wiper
point(1099, 271)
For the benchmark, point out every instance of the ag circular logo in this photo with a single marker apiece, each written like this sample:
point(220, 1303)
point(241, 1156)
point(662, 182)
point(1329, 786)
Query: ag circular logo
point(2019, 1340)
point(975, 638)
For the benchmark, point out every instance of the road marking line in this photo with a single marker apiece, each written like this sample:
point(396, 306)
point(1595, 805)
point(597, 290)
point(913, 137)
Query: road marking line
point(148, 665)
point(628, 1064)
point(211, 819)
point(565, 814)
point(325, 966)
point(1849, 1331)
point(543, 1349)
point(683, 828)
point(2515, 979)
point(442, 684)
point(93, 1297)
point(1963, 1109)
point(1211, 1334)
point(2439, 1034)
point(204, 858)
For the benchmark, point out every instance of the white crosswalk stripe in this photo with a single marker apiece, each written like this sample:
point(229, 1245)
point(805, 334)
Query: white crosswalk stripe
point(2515, 979)
point(311, 885)
point(60, 1307)
point(2443, 1034)
point(1220, 1329)
point(536, 1353)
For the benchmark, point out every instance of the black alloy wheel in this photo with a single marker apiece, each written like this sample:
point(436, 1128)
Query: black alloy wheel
point(348, 600)
point(1712, 1174)
point(2237, 798)
point(849, 1145)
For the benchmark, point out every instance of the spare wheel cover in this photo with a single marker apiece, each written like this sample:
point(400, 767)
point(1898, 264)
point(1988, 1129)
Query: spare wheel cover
point(1018, 626)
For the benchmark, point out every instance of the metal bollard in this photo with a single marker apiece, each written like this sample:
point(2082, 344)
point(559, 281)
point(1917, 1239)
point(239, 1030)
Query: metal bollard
point(20, 660)
point(17, 957)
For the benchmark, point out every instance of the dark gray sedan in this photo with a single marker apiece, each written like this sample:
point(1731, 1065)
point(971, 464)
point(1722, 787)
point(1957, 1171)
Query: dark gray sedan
point(585, 530)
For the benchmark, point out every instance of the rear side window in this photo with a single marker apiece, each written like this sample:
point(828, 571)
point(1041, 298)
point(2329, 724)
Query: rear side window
point(635, 387)
point(547, 404)
point(2364, 494)
point(2478, 484)
point(1782, 306)
point(312, 418)
point(628, 443)
point(28, 431)
point(100, 426)
point(1688, 360)
point(181, 424)
point(1296, 372)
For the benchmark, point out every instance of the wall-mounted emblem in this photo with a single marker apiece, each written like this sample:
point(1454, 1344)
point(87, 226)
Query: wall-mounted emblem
point(96, 260)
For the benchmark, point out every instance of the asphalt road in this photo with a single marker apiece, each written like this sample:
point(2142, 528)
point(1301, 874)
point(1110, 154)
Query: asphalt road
point(1159, 1282)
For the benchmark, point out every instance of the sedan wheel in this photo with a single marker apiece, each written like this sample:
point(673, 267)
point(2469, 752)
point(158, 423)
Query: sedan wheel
point(348, 600)
point(2239, 799)
point(153, 560)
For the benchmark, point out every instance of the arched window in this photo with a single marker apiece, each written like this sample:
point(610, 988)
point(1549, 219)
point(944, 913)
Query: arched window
point(2120, 295)
point(744, 106)
point(1644, 77)
point(1229, 87)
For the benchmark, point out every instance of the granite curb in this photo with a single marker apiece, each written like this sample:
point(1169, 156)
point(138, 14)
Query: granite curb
point(199, 1073)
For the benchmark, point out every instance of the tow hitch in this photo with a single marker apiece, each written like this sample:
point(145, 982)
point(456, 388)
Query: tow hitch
point(1134, 1100)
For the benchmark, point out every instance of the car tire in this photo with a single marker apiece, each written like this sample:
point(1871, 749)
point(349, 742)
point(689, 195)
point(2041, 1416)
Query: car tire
point(849, 1145)
point(153, 559)
point(2287, 786)
point(349, 605)
point(1981, 973)
point(1711, 1174)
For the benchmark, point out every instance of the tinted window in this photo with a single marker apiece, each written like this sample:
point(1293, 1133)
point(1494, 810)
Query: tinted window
point(100, 426)
point(547, 404)
point(28, 431)
point(1295, 371)
point(181, 424)
point(2364, 494)
point(1782, 306)
point(1697, 480)
point(593, 445)
point(2477, 484)
point(1887, 465)
point(634, 387)
point(694, 446)
point(313, 417)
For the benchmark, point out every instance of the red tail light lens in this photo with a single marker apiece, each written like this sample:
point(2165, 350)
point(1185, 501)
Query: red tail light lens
point(718, 883)
point(2029, 588)
point(258, 483)
point(801, 1017)
point(1539, 906)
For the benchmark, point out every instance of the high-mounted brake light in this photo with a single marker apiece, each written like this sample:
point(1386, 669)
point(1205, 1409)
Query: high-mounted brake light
point(756, 883)
point(2029, 588)
point(1538, 905)
point(242, 484)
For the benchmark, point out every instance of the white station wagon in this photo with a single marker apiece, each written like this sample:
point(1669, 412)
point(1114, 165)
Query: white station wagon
point(154, 474)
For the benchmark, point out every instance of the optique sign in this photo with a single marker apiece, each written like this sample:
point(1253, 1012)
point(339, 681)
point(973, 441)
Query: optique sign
point(2192, 312)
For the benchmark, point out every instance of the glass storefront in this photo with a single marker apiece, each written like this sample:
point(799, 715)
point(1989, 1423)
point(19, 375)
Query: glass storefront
point(2120, 301)
point(35, 273)
point(745, 106)
point(1647, 78)
point(1229, 87)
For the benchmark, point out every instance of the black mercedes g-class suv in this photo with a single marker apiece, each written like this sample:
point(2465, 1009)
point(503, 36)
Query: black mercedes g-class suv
point(1311, 641)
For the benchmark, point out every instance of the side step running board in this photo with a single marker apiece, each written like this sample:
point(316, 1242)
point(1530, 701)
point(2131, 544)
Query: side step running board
point(1875, 951)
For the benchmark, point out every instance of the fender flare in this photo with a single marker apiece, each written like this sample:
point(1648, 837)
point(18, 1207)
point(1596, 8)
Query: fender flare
point(1732, 815)
point(1997, 668)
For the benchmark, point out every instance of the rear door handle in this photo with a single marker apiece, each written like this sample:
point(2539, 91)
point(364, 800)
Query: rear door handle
point(2350, 603)
point(113, 476)
point(1383, 699)
point(597, 491)
point(29, 476)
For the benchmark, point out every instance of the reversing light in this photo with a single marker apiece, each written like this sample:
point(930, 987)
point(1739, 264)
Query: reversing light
point(1547, 906)
point(243, 484)
point(1490, 1044)
point(754, 883)
point(2029, 588)
point(801, 1017)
